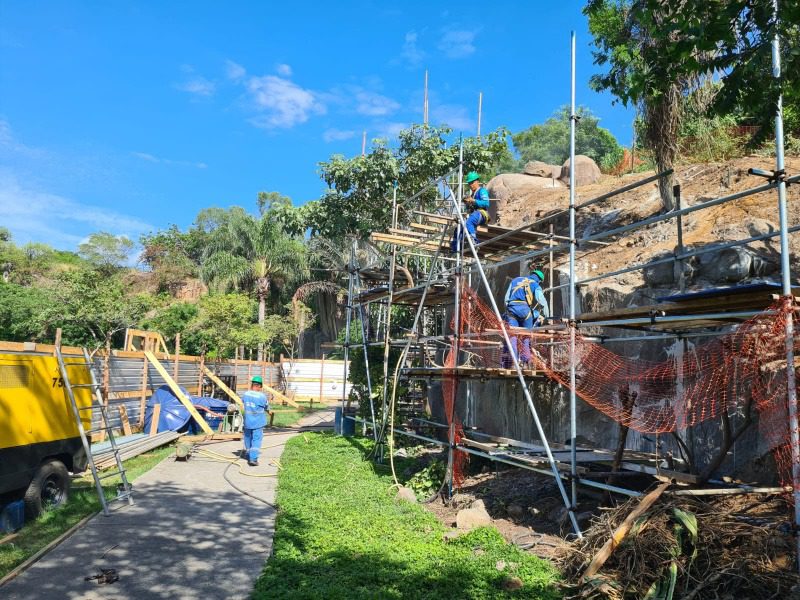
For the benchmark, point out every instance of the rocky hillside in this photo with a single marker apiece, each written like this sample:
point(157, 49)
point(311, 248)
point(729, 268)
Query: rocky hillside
point(526, 197)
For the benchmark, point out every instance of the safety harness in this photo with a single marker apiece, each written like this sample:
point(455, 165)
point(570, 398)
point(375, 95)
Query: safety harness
point(530, 297)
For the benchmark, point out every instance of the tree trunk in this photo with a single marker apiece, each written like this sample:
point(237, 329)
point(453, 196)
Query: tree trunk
point(262, 291)
point(662, 116)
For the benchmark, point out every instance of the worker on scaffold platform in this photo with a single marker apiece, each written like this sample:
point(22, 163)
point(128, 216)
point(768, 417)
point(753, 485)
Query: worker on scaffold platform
point(477, 206)
point(526, 307)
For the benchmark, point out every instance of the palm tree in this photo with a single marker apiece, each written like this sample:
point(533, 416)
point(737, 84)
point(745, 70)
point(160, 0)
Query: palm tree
point(253, 254)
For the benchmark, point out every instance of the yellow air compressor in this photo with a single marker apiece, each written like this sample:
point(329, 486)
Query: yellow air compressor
point(39, 440)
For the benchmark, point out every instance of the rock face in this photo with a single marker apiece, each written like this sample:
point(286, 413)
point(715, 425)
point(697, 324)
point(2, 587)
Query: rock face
point(586, 171)
point(475, 516)
point(506, 186)
point(538, 168)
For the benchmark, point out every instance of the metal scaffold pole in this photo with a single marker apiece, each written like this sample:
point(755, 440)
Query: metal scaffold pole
point(573, 425)
point(349, 313)
point(520, 377)
point(365, 350)
point(786, 281)
point(457, 316)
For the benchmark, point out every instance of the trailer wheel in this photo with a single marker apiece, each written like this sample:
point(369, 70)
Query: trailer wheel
point(48, 489)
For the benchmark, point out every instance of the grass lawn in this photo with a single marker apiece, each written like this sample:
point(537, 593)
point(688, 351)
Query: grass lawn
point(83, 501)
point(341, 534)
point(287, 415)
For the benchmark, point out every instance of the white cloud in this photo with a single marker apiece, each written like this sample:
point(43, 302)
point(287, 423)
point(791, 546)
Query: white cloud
point(284, 69)
point(195, 84)
point(281, 102)
point(455, 116)
point(33, 215)
point(234, 71)
point(168, 161)
point(457, 43)
point(374, 105)
point(337, 135)
point(200, 86)
point(411, 53)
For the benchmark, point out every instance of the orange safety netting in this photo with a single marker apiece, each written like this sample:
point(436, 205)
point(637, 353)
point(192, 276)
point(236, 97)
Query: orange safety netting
point(740, 370)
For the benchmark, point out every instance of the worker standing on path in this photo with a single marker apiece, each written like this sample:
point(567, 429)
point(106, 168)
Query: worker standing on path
point(255, 419)
point(478, 206)
point(526, 307)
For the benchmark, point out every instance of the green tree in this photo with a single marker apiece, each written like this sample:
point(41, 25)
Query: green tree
point(174, 318)
point(172, 256)
point(21, 307)
point(658, 51)
point(630, 37)
point(549, 142)
point(253, 254)
point(223, 322)
point(358, 199)
point(105, 251)
point(90, 306)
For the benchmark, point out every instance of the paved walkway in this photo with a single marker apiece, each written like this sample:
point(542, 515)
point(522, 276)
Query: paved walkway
point(190, 535)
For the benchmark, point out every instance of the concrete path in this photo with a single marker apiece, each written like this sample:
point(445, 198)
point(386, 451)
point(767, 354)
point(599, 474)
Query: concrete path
point(190, 535)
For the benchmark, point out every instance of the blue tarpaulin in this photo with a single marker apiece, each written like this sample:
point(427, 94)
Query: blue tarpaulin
point(174, 416)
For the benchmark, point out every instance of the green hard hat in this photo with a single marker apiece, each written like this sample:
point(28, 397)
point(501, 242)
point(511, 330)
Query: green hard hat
point(539, 274)
point(257, 379)
point(472, 176)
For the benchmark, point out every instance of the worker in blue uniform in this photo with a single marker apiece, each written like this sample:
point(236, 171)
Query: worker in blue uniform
point(255, 419)
point(526, 307)
point(477, 206)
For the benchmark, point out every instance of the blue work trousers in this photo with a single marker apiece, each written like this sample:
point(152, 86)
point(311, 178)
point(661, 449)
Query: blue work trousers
point(474, 220)
point(519, 315)
point(252, 443)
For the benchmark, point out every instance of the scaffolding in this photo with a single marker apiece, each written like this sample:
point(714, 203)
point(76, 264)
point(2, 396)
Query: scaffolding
point(435, 294)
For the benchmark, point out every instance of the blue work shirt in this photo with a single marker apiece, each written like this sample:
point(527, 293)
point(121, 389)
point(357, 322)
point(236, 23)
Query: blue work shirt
point(516, 294)
point(255, 409)
point(481, 197)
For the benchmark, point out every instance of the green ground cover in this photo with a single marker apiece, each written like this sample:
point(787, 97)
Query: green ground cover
point(341, 534)
point(83, 501)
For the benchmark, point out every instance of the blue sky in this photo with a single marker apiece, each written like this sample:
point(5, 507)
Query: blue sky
point(129, 116)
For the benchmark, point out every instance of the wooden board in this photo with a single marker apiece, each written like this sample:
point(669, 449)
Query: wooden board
point(178, 392)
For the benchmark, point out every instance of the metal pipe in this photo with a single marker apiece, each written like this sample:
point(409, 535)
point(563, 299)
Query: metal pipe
point(685, 211)
point(683, 256)
point(365, 349)
point(676, 318)
point(390, 297)
point(347, 328)
point(520, 377)
point(786, 280)
point(573, 425)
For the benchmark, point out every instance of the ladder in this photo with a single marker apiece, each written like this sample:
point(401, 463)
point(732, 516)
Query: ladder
point(124, 489)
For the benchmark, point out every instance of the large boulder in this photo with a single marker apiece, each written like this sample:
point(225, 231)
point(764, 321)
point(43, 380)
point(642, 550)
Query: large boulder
point(732, 265)
point(586, 171)
point(475, 516)
point(538, 168)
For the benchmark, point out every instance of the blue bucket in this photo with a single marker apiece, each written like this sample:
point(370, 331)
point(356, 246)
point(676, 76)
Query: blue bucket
point(346, 427)
point(12, 517)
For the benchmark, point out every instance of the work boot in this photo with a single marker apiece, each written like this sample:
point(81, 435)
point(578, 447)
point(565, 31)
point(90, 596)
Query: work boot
point(252, 463)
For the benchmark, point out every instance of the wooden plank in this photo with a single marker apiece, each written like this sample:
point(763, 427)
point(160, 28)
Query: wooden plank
point(425, 227)
point(283, 397)
point(178, 392)
point(123, 417)
point(219, 383)
point(154, 420)
point(619, 534)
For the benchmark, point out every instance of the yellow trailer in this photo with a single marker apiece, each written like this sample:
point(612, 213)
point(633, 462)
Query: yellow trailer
point(39, 439)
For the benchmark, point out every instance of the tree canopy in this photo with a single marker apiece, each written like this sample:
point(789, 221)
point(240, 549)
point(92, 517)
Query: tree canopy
point(549, 141)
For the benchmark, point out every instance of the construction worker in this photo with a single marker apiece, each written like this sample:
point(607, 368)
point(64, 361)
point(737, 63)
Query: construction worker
point(477, 206)
point(526, 307)
point(255, 419)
